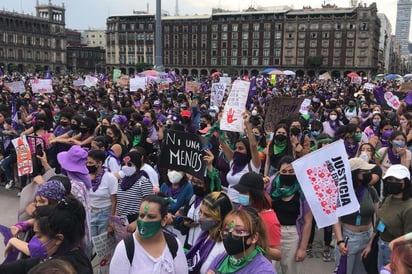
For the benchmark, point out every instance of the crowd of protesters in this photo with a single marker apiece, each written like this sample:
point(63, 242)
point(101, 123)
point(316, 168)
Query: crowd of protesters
point(248, 213)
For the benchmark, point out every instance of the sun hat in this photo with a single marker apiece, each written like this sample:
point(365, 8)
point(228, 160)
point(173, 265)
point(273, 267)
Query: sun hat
point(358, 163)
point(74, 159)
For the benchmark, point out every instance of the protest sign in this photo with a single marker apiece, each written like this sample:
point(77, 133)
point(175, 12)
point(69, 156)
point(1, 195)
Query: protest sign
point(104, 244)
point(78, 83)
point(325, 178)
point(90, 81)
point(281, 108)
point(137, 82)
point(356, 80)
point(325, 76)
point(123, 81)
point(217, 94)
point(41, 86)
point(392, 100)
point(192, 86)
point(304, 107)
point(24, 161)
point(163, 85)
point(225, 80)
point(16, 87)
point(120, 224)
point(184, 152)
point(116, 75)
point(368, 86)
point(232, 119)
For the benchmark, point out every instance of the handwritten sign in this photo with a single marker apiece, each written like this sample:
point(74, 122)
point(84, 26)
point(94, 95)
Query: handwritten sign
point(16, 87)
point(235, 105)
point(281, 108)
point(163, 85)
point(78, 83)
point(184, 152)
point(116, 75)
point(192, 86)
point(41, 85)
point(137, 83)
point(90, 81)
point(24, 161)
point(123, 81)
point(304, 108)
point(104, 245)
point(217, 94)
point(119, 226)
point(368, 86)
point(392, 100)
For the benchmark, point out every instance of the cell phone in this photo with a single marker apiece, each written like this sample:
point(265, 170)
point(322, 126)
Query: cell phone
point(39, 150)
point(187, 219)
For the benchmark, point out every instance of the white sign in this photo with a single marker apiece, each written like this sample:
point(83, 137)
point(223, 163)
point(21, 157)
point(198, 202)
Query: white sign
point(104, 245)
point(78, 83)
point(41, 85)
point(225, 80)
point(325, 178)
point(217, 94)
point(369, 86)
point(16, 87)
point(136, 83)
point(304, 107)
point(232, 119)
point(90, 81)
point(392, 100)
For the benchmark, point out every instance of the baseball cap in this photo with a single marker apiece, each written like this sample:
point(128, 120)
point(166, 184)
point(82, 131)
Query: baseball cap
point(358, 163)
point(398, 172)
point(250, 180)
point(185, 113)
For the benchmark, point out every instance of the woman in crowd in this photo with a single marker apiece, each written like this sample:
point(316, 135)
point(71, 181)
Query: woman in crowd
point(244, 158)
point(103, 193)
point(351, 136)
point(357, 226)
point(86, 135)
point(119, 140)
point(294, 216)
point(101, 129)
point(261, 144)
point(63, 140)
point(396, 153)
point(111, 161)
point(245, 239)
point(400, 259)
point(374, 128)
point(386, 130)
point(331, 125)
point(395, 213)
point(278, 147)
point(213, 209)
point(59, 236)
point(152, 247)
point(300, 142)
point(252, 193)
point(405, 121)
point(133, 186)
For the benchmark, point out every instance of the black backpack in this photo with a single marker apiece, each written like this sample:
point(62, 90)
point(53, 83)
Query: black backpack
point(170, 241)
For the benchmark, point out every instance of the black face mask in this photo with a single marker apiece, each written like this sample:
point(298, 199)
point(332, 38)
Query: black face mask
point(39, 124)
point(92, 169)
point(294, 131)
point(235, 244)
point(280, 138)
point(83, 129)
point(103, 129)
point(74, 126)
point(393, 188)
point(199, 191)
point(367, 177)
point(64, 124)
point(202, 125)
point(287, 180)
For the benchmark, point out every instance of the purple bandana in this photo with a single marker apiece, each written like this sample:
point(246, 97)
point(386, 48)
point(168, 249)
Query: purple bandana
point(52, 190)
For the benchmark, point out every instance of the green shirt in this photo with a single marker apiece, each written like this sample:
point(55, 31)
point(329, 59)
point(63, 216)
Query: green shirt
point(396, 215)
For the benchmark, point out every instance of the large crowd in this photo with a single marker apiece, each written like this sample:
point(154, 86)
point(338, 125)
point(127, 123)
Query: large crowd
point(96, 152)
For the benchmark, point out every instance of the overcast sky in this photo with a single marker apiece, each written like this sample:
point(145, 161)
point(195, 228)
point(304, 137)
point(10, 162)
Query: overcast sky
point(85, 14)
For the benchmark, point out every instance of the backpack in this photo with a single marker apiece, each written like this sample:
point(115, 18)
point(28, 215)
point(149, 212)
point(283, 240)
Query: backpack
point(129, 245)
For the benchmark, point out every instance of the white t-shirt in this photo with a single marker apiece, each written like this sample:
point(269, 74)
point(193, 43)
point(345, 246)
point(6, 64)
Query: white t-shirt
point(145, 263)
point(194, 232)
point(151, 172)
point(233, 180)
point(112, 164)
point(101, 198)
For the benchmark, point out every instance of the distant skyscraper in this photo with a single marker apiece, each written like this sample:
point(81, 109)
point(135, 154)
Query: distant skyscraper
point(403, 23)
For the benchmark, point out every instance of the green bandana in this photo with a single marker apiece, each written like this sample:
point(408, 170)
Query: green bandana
point(232, 265)
point(279, 148)
point(148, 229)
point(278, 191)
point(136, 140)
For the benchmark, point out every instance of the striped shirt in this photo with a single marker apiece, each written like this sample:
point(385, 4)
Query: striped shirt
point(128, 201)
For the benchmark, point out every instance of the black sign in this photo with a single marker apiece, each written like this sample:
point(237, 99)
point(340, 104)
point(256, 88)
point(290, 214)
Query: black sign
point(184, 152)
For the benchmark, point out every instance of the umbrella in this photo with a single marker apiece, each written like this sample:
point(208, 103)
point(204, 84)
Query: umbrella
point(277, 72)
point(151, 72)
point(407, 76)
point(216, 73)
point(391, 77)
point(380, 75)
point(289, 72)
point(352, 74)
point(267, 70)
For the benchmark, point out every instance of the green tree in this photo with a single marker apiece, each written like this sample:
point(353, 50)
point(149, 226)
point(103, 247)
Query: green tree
point(314, 61)
point(142, 67)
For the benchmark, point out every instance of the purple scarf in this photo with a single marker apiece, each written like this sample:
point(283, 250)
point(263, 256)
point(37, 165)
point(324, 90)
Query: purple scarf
point(172, 192)
point(97, 179)
point(351, 149)
point(204, 247)
point(128, 181)
point(240, 160)
point(333, 125)
point(393, 158)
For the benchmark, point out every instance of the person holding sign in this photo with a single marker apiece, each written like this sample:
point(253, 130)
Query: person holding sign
point(244, 158)
point(357, 226)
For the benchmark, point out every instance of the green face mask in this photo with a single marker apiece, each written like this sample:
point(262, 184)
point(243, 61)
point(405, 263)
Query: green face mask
point(357, 137)
point(148, 229)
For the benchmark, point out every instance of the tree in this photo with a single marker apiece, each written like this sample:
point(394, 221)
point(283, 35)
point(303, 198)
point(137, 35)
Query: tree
point(314, 61)
point(142, 67)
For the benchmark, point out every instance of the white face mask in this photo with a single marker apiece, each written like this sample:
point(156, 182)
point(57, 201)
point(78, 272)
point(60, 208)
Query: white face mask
point(364, 156)
point(254, 112)
point(333, 117)
point(174, 176)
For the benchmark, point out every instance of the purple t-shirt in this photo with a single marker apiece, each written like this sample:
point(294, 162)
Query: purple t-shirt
point(260, 264)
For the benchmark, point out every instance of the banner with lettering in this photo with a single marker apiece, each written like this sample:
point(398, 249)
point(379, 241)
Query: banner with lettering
point(41, 85)
point(325, 178)
point(90, 81)
point(24, 160)
point(16, 87)
point(217, 94)
point(137, 82)
point(232, 119)
point(281, 108)
point(184, 152)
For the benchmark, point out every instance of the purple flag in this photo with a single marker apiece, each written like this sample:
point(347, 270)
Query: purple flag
point(408, 98)
point(204, 87)
point(1, 72)
point(379, 95)
point(252, 92)
point(48, 74)
point(14, 117)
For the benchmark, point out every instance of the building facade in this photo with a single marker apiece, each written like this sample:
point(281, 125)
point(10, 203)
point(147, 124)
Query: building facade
point(384, 44)
point(29, 43)
point(403, 23)
point(94, 38)
point(308, 41)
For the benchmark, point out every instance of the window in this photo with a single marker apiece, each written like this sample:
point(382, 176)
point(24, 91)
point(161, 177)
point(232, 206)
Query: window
point(245, 36)
point(265, 61)
point(325, 52)
point(214, 45)
point(233, 61)
point(256, 27)
point(325, 35)
point(301, 44)
point(256, 35)
point(245, 27)
point(214, 28)
point(224, 27)
point(255, 61)
point(245, 44)
point(266, 52)
point(278, 35)
point(301, 52)
point(325, 43)
point(337, 52)
point(349, 43)
point(338, 35)
point(266, 43)
point(277, 52)
point(266, 26)
point(338, 26)
point(314, 26)
point(290, 35)
point(276, 61)
point(313, 35)
point(313, 44)
point(302, 35)
point(337, 43)
point(235, 35)
point(312, 52)
point(234, 52)
point(349, 61)
point(235, 27)
point(266, 35)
